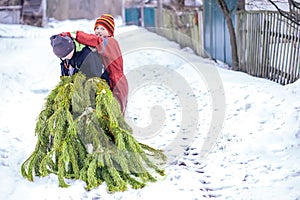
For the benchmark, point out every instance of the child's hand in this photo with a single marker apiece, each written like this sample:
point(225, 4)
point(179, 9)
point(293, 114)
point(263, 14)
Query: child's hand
point(65, 34)
point(69, 34)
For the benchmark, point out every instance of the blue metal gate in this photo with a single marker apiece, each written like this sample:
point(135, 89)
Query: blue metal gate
point(216, 35)
point(133, 16)
point(149, 17)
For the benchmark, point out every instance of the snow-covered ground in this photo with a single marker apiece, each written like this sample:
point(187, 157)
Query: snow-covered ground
point(251, 126)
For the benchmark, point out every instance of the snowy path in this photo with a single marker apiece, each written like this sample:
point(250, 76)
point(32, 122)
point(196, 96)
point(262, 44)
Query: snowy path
point(256, 156)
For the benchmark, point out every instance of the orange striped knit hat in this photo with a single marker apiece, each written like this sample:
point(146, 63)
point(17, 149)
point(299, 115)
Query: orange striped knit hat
point(107, 21)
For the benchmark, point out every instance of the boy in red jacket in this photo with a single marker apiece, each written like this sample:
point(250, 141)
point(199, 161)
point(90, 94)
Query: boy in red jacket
point(109, 49)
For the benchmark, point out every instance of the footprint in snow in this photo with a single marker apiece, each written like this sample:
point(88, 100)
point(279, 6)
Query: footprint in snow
point(3, 157)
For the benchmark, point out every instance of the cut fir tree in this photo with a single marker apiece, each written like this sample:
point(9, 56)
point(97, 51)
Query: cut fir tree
point(82, 135)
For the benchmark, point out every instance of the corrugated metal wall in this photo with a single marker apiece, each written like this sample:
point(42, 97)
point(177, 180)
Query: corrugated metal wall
point(216, 35)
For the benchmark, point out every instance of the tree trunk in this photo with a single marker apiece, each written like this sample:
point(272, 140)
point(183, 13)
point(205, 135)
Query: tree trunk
point(225, 10)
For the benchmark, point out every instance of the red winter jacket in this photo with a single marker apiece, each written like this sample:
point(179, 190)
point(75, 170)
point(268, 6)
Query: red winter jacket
point(111, 55)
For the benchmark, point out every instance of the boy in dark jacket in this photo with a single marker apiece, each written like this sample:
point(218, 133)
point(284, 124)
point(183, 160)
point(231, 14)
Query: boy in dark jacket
point(76, 58)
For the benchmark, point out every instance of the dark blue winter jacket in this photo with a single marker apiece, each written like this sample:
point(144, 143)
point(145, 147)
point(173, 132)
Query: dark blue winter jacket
point(86, 61)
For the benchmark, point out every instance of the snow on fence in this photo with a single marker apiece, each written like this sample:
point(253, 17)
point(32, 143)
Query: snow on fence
point(268, 46)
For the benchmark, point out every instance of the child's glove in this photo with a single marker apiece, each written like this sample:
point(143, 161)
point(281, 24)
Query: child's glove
point(64, 34)
point(70, 34)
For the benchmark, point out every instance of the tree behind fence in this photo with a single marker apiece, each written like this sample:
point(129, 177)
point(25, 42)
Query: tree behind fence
point(268, 46)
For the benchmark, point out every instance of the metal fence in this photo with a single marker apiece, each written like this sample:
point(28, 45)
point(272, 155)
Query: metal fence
point(268, 46)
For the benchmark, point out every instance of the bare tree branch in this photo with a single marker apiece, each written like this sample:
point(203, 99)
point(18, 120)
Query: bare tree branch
point(293, 14)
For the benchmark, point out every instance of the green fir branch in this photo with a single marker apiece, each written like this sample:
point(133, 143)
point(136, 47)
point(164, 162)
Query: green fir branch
point(83, 135)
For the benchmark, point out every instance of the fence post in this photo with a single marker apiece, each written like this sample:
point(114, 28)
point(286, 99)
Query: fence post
point(266, 46)
point(159, 15)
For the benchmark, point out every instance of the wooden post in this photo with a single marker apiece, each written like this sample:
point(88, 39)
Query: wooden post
point(44, 10)
point(159, 15)
point(142, 19)
point(123, 12)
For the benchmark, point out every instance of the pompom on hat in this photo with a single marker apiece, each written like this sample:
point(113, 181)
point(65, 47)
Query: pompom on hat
point(62, 45)
point(107, 21)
